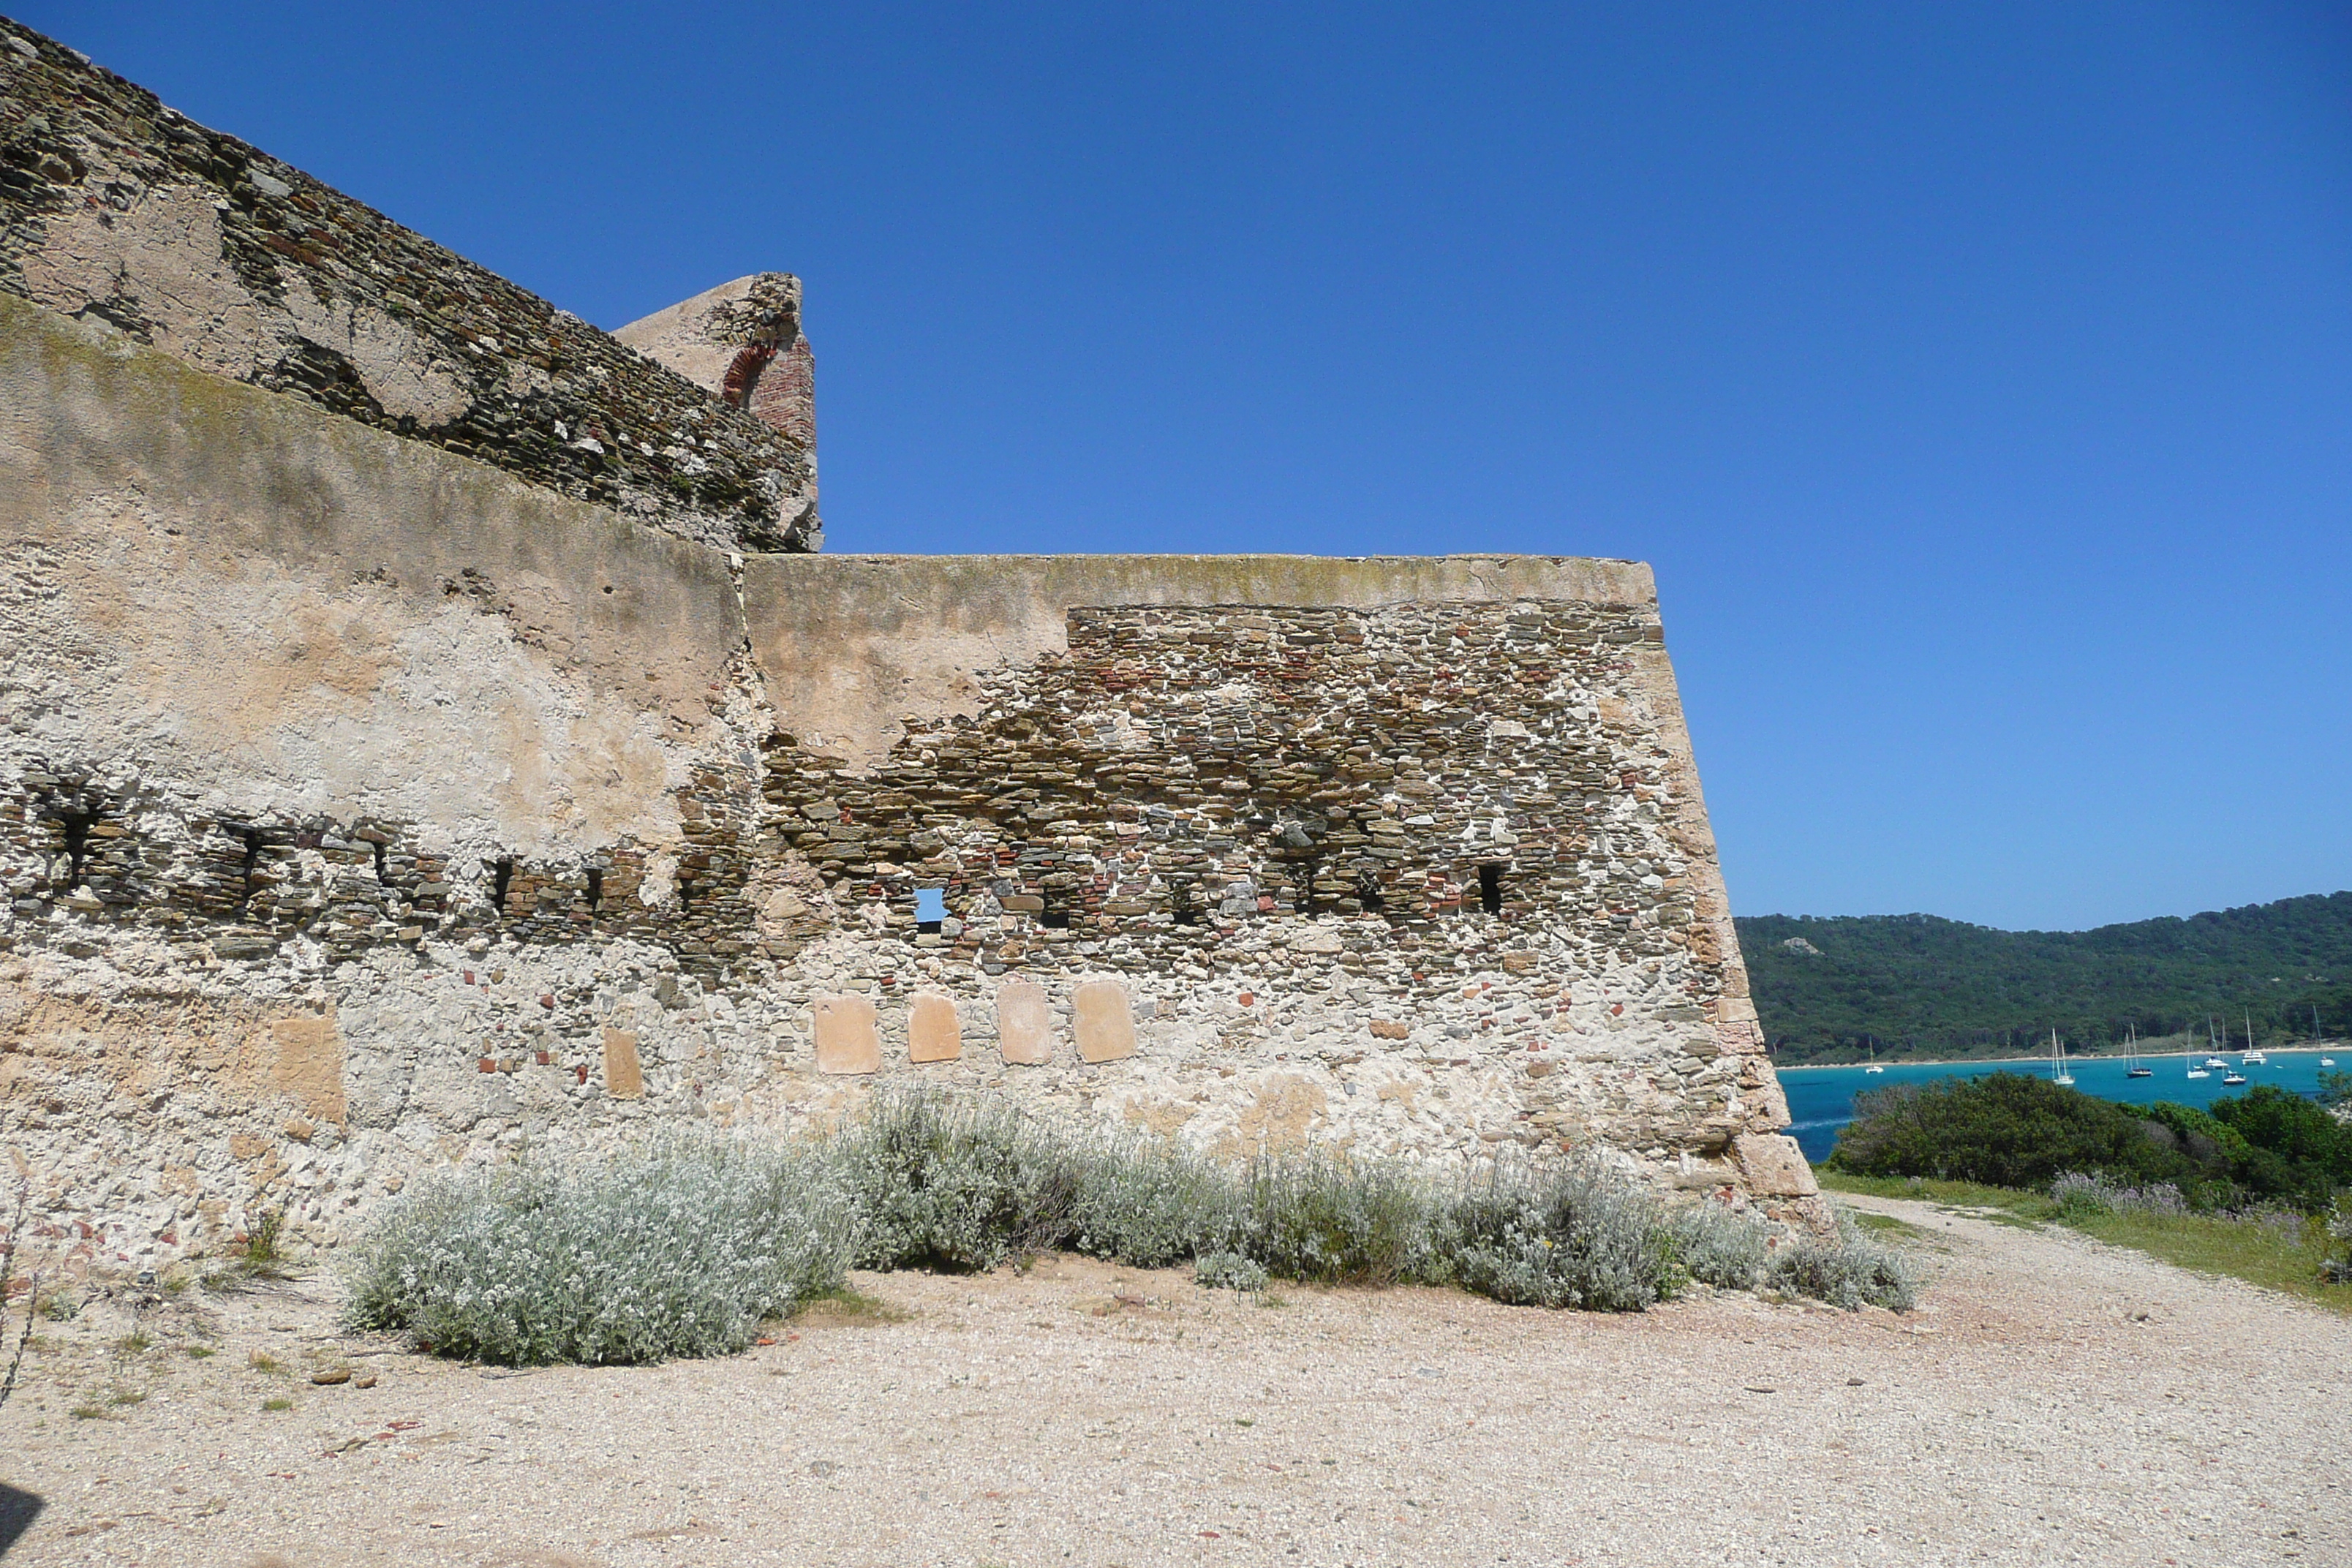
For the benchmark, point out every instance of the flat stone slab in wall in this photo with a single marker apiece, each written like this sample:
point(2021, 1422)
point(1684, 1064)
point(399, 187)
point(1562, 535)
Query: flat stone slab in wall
point(1025, 1023)
point(847, 1041)
point(933, 1032)
point(307, 1065)
point(1103, 1021)
point(624, 1076)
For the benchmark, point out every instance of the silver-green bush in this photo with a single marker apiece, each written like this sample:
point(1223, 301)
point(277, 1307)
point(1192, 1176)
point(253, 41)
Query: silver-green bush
point(2080, 1196)
point(1580, 1234)
point(1228, 1271)
point(675, 1248)
point(1149, 1204)
point(1314, 1216)
point(956, 1184)
point(2337, 1269)
point(1716, 1246)
point(681, 1245)
point(1848, 1270)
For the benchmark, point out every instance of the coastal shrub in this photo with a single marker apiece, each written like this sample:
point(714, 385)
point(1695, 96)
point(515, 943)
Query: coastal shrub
point(1228, 1271)
point(2213, 1145)
point(2011, 1130)
point(678, 1246)
point(1579, 1234)
point(1149, 1204)
point(2079, 1195)
point(941, 1182)
point(2295, 1151)
point(956, 1184)
point(32, 1292)
point(682, 1245)
point(2006, 1130)
point(2336, 1268)
point(1847, 1269)
point(1716, 1246)
point(948, 1182)
point(1312, 1216)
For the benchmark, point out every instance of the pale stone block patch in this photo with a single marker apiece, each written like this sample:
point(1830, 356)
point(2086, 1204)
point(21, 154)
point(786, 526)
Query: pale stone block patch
point(934, 1033)
point(846, 1037)
point(1103, 1020)
point(306, 1064)
point(1025, 1023)
point(625, 1076)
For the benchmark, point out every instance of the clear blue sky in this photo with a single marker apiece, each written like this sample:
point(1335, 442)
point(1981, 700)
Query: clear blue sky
point(1978, 378)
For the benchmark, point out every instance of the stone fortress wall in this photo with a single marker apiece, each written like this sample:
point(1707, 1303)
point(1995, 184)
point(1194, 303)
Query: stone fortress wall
point(115, 208)
point(368, 805)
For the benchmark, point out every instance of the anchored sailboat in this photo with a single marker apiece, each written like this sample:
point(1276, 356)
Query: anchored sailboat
point(2133, 1067)
point(2058, 1073)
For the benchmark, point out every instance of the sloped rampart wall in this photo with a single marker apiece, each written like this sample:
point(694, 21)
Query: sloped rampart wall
point(117, 209)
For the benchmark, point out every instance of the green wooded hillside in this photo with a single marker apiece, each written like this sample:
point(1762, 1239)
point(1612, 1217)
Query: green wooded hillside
point(1919, 985)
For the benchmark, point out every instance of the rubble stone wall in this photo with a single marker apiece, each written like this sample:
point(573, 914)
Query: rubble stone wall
point(116, 208)
point(364, 808)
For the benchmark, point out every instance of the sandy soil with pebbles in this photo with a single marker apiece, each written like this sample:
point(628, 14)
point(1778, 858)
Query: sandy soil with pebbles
point(2054, 1401)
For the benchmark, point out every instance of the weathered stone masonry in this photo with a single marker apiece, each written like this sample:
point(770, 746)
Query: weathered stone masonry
point(115, 208)
point(368, 805)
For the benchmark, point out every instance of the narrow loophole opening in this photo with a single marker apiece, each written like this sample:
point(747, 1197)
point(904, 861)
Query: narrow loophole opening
point(76, 827)
point(1180, 907)
point(1055, 915)
point(930, 910)
point(501, 878)
point(1369, 894)
point(380, 876)
point(252, 866)
point(596, 888)
point(1490, 888)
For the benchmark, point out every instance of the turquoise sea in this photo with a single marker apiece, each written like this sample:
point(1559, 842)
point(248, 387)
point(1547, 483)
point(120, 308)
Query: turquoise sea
point(1820, 1099)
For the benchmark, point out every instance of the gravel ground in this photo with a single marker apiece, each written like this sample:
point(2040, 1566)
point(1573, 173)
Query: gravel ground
point(2053, 1401)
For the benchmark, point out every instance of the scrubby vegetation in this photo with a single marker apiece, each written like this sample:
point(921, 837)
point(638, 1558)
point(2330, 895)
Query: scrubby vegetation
point(2258, 1185)
point(684, 1246)
point(1919, 984)
point(2013, 1130)
point(679, 1248)
point(2277, 1248)
point(1846, 1271)
point(2337, 1267)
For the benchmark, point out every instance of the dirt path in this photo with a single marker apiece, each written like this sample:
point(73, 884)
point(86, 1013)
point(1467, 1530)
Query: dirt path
point(2054, 1402)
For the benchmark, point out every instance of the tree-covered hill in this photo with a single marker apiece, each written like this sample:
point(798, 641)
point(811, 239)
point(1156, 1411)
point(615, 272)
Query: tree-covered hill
point(1918, 985)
